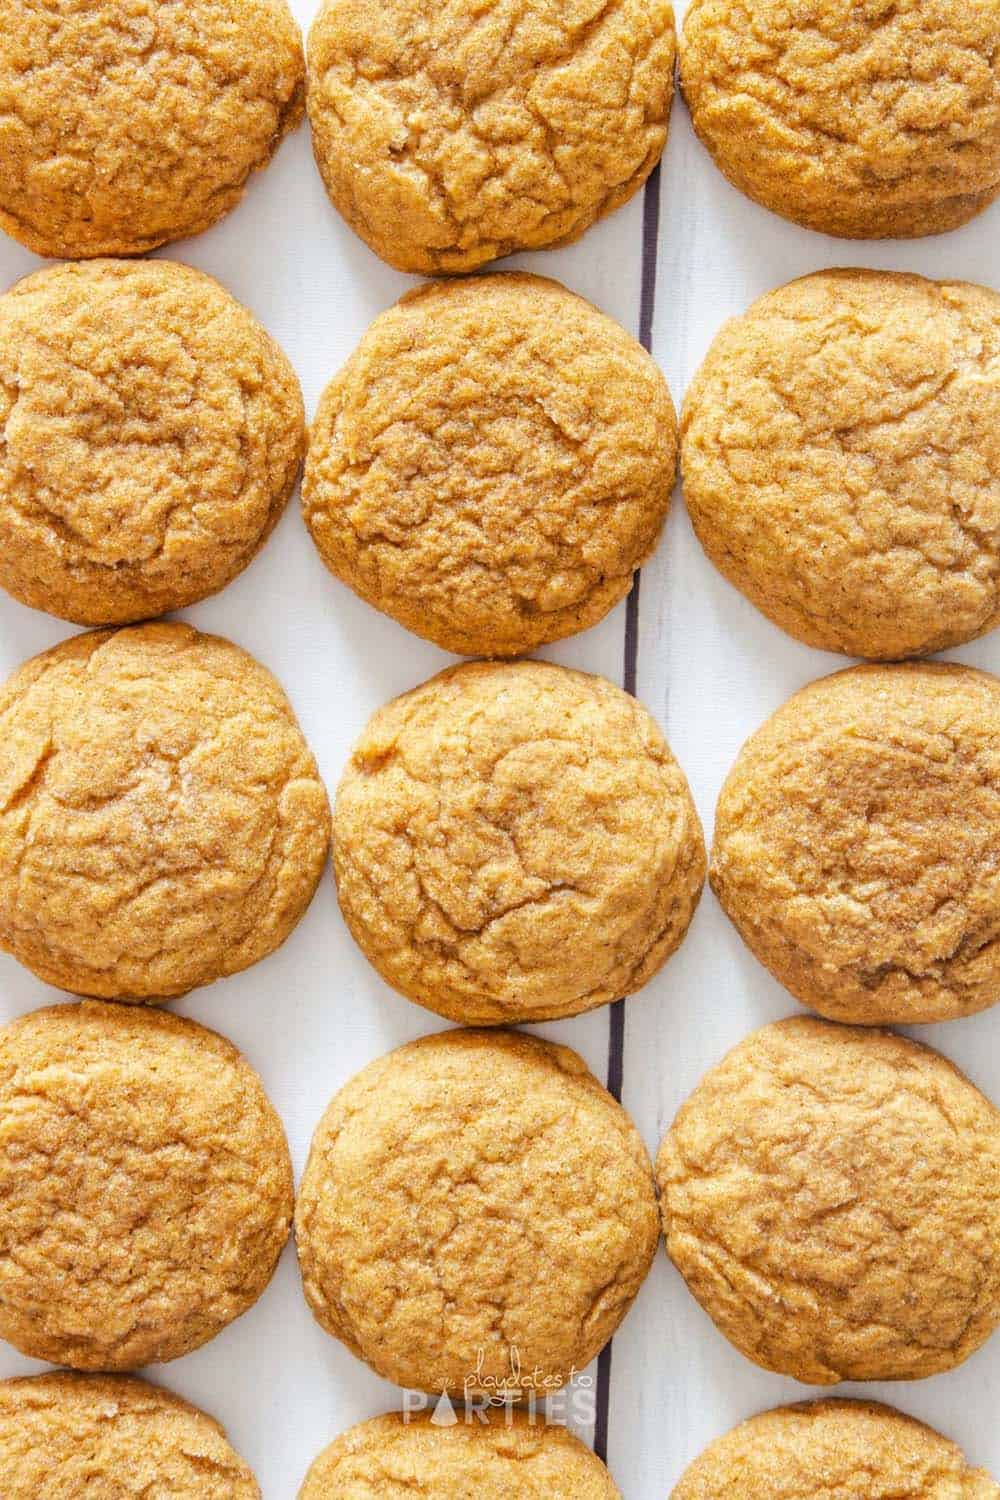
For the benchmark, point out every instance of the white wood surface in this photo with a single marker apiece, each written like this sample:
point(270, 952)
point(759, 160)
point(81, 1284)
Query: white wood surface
point(709, 668)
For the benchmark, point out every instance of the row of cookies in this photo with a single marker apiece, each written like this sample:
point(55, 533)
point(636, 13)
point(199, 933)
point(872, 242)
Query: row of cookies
point(477, 1214)
point(513, 841)
point(62, 1434)
point(828, 1194)
point(449, 136)
point(496, 459)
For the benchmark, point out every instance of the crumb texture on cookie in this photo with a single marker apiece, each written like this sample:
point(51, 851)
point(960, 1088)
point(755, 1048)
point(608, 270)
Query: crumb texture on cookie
point(492, 464)
point(831, 1196)
point(122, 127)
point(476, 1213)
point(112, 1438)
point(162, 821)
point(515, 841)
point(145, 1182)
point(861, 118)
point(859, 1449)
point(150, 435)
point(511, 1455)
point(448, 135)
point(841, 457)
point(855, 843)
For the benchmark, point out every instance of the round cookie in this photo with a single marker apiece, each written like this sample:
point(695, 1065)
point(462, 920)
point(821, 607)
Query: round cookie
point(830, 1196)
point(122, 127)
point(880, 537)
point(492, 464)
point(152, 435)
point(145, 1185)
point(855, 843)
point(867, 120)
point(515, 842)
point(856, 1448)
point(112, 1438)
point(162, 821)
point(477, 1214)
point(511, 1454)
point(450, 135)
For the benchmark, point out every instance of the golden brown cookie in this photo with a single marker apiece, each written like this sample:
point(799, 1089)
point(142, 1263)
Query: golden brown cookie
point(515, 842)
point(162, 821)
point(868, 119)
point(450, 135)
point(112, 1438)
point(841, 456)
point(152, 435)
point(492, 464)
point(510, 1455)
point(856, 1449)
point(831, 1196)
point(855, 843)
point(145, 1185)
point(477, 1213)
point(124, 126)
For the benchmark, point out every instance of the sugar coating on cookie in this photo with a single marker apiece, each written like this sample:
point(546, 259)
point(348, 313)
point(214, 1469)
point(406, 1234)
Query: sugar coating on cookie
point(123, 127)
point(856, 1448)
point(866, 120)
point(477, 1214)
point(145, 1183)
point(449, 135)
point(507, 1454)
point(492, 464)
point(515, 842)
point(162, 820)
point(830, 1196)
point(855, 843)
point(112, 1438)
point(152, 433)
point(841, 458)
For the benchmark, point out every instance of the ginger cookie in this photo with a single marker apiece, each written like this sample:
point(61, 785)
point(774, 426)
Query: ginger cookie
point(112, 1438)
point(515, 842)
point(510, 1454)
point(855, 843)
point(122, 127)
point(477, 1215)
point(881, 536)
point(162, 820)
point(145, 1185)
point(492, 464)
point(450, 135)
point(152, 435)
point(860, 118)
point(831, 1196)
point(859, 1449)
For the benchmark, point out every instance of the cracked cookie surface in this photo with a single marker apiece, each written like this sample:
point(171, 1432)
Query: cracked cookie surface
point(855, 843)
point(878, 119)
point(859, 1449)
point(510, 1455)
point(122, 127)
point(162, 820)
point(841, 458)
point(492, 464)
point(451, 134)
point(515, 842)
point(831, 1196)
point(112, 1438)
point(476, 1209)
point(145, 1184)
point(150, 436)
